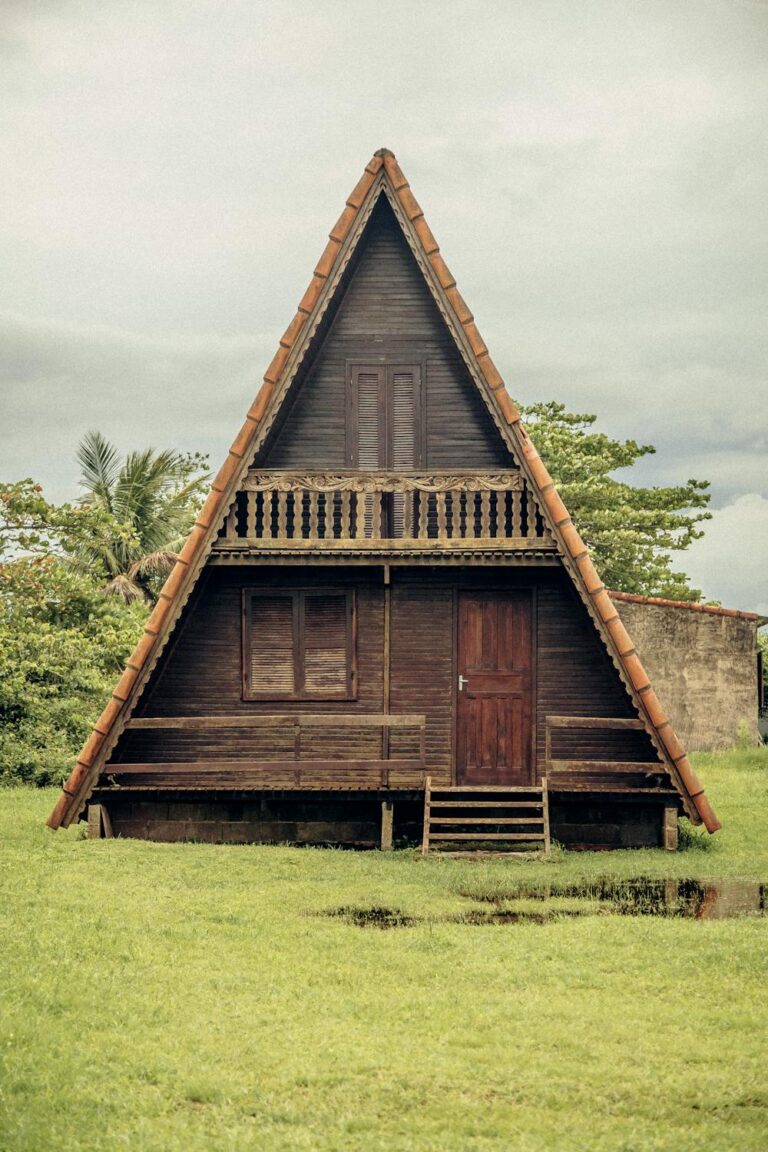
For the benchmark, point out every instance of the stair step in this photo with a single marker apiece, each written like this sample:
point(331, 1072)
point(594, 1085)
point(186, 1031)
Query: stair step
point(486, 820)
point(486, 803)
point(487, 836)
point(463, 802)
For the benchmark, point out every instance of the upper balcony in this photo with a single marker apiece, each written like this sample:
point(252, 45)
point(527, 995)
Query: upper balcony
point(428, 515)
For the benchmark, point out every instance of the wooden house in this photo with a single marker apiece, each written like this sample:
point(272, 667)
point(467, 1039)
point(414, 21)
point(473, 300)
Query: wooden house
point(384, 588)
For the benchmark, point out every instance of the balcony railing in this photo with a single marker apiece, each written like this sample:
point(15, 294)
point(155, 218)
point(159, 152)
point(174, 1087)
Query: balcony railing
point(384, 510)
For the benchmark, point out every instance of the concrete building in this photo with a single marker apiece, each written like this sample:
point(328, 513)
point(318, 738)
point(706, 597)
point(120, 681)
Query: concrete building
point(703, 662)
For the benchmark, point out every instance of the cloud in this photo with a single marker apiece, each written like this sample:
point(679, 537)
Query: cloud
point(58, 380)
point(730, 563)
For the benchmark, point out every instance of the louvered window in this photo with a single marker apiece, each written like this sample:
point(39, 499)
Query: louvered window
point(384, 428)
point(298, 645)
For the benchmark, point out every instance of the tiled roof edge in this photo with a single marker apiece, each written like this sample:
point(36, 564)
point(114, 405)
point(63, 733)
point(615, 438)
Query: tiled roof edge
point(709, 609)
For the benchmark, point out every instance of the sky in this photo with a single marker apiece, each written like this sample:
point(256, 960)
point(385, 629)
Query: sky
point(596, 175)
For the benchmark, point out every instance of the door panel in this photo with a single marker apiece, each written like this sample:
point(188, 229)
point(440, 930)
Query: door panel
point(495, 700)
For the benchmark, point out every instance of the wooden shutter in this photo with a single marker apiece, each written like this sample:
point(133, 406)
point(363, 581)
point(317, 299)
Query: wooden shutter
point(368, 434)
point(298, 645)
point(402, 418)
point(271, 647)
point(326, 644)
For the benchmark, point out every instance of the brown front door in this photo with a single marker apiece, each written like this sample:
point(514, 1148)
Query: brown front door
point(495, 697)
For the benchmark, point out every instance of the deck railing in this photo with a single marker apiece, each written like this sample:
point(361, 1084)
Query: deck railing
point(299, 763)
point(384, 509)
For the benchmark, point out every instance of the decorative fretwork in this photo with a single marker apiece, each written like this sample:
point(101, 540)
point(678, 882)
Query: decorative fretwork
point(384, 509)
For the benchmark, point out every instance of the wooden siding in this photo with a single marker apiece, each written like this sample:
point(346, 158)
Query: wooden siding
point(575, 677)
point(387, 311)
point(200, 675)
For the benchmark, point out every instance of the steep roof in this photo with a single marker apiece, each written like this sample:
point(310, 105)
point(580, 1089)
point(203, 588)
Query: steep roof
point(381, 177)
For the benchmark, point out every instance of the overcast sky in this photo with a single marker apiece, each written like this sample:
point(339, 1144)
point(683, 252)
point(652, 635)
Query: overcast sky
point(595, 173)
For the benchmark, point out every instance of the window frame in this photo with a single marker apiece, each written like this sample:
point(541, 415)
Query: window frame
point(298, 597)
point(386, 367)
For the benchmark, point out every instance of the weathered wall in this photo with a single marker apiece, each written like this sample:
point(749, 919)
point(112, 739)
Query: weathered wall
point(703, 666)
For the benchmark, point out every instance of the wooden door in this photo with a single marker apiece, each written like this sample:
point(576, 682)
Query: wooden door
point(494, 739)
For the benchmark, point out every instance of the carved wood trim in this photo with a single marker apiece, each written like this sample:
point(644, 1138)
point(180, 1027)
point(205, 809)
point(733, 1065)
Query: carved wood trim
point(260, 481)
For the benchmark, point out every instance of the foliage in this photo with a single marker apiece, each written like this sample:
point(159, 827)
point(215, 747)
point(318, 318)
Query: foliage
point(62, 642)
point(286, 1030)
point(153, 497)
point(762, 643)
point(631, 532)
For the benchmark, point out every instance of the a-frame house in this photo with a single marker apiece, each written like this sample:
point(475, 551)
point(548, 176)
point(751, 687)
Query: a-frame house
point(383, 587)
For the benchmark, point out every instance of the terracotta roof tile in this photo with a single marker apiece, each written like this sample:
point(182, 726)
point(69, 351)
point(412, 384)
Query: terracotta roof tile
point(143, 649)
point(272, 373)
point(328, 259)
point(344, 223)
point(108, 716)
point(261, 403)
point(424, 233)
point(176, 578)
point(444, 274)
point(312, 294)
point(457, 302)
point(506, 404)
point(493, 377)
point(123, 687)
point(209, 510)
point(288, 337)
point(225, 473)
point(410, 204)
point(242, 441)
point(394, 171)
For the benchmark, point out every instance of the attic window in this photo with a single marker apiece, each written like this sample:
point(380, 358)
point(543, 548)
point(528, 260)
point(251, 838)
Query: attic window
point(298, 644)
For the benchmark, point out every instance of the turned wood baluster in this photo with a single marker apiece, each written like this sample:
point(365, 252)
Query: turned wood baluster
point(378, 500)
point(530, 506)
point(517, 513)
point(282, 515)
point(250, 515)
point(231, 523)
point(408, 499)
point(313, 515)
point(423, 515)
point(442, 524)
point(346, 507)
point(485, 514)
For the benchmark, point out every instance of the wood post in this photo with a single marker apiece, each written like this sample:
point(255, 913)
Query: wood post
point(99, 823)
point(387, 820)
point(669, 835)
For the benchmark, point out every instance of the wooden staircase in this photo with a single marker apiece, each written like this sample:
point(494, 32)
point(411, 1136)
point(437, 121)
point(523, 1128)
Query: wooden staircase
point(485, 820)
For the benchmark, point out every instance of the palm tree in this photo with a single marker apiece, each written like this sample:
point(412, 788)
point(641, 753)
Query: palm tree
point(152, 497)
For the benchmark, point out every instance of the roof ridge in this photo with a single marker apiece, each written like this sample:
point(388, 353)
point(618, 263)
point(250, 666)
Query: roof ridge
point(182, 577)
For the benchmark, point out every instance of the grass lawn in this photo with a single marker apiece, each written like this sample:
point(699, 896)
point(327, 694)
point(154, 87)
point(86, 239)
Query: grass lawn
point(185, 997)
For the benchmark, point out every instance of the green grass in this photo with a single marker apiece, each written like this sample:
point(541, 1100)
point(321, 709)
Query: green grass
point(185, 997)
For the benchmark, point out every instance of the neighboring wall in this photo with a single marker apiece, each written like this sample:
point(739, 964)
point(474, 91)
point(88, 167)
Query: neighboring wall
point(703, 666)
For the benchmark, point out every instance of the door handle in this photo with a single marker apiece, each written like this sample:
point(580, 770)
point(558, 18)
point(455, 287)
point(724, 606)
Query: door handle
point(462, 681)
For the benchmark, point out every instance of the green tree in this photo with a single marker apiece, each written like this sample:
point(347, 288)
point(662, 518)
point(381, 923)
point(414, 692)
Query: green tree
point(152, 498)
point(62, 641)
point(631, 532)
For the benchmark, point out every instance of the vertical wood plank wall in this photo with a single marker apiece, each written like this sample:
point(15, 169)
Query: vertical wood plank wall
point(387, 311)
point(200, 673)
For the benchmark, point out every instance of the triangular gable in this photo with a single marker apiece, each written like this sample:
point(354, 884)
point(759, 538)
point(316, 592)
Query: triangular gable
point(382, 176)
